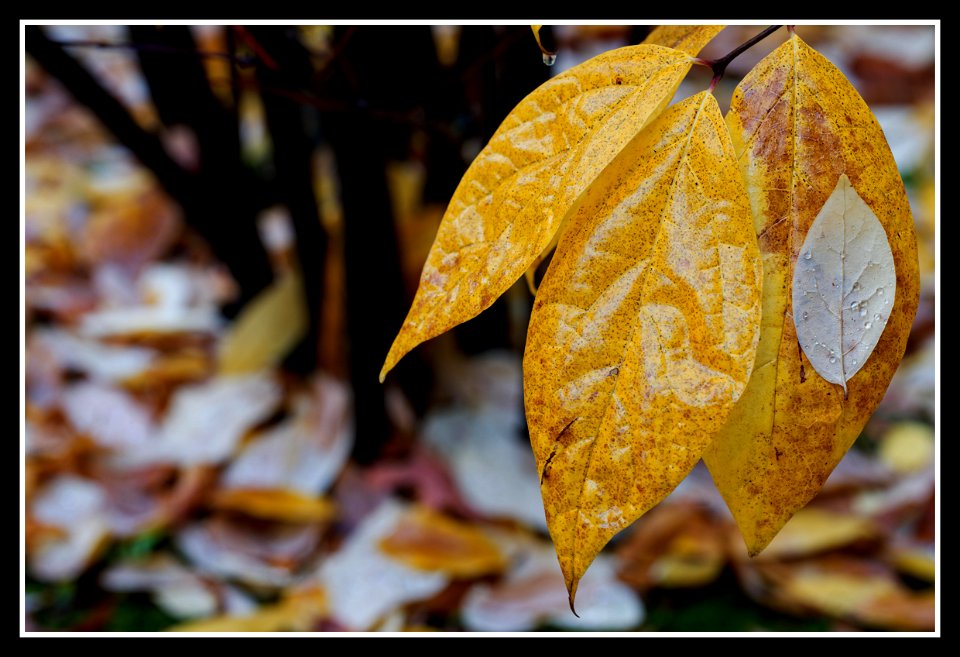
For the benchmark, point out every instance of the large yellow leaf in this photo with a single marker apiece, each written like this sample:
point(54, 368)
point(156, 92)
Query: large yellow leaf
point(688, 38)
point(513, 198)
point(643, 332)
point(798, 125)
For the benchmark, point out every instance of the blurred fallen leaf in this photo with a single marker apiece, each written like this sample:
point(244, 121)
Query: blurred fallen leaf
point(267, 328)
point(176, 589)
point(533, 594)
point(260, 554)
point(282, 505)
point(863, 592)
point(306, 452)
point(426, 540)
point(363, 583)
point(915, 560)
point(75, 507)
point(108, 415)
point(672, 545)
point(907, 447)
point(298, 611)
point(205, 422)
point(813, 530)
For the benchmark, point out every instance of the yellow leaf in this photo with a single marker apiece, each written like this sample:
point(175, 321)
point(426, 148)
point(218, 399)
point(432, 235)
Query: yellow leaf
point(516, 193)
point(427, 540)
point(643, 332)
point(842, 286)
point(817, 530)
point(297, 612)
point(862, 591)
point(915, 561)
point(798, 124)
point(837, 594)
point(267, 328)
point(908, 447)
point(283, 505)
point(687, 38)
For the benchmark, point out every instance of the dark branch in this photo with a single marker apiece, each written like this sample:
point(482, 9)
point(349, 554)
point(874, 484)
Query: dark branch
point(144, 145)
point(239, 60)
point(719, 66)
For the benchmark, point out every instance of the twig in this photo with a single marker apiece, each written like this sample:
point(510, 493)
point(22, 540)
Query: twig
point(239, 60)
point(146, 146)
point(719, 66)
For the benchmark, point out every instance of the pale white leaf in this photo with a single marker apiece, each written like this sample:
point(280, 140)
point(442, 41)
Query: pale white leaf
point(363, 583)
point(533, 594)
point(108, 415)
point(76, 506)
point(843, 285)
point(206, 422)
point(304, 453)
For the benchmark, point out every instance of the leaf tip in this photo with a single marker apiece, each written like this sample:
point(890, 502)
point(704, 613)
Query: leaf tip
point(572, 595)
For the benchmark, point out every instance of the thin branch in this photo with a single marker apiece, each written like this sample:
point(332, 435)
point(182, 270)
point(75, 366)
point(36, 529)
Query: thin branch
point(239, 60)
point(719, 66)
point(144, 145)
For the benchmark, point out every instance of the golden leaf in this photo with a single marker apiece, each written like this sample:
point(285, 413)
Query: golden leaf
point(297, 611)
point(812, 531)
point(863, 592)
point(798, 124)
point(267, 328)
point(687, 38)
point(643, 332)
point(427, 540)
point(274, 504)
point(842, 286)
point(516, 193)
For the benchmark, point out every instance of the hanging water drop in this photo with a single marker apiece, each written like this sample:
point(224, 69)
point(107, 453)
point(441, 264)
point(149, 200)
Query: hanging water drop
point(833, 359)
point(867, 325)
point(806, 315)
point(876, 317)
point(549, 58)
point(853, 361)
point(880, 291)
point(854, 305)
point(807, 255)
point(863, 312)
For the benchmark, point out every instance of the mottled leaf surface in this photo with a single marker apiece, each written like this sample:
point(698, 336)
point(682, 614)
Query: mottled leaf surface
point(687, 38)
point(643, 332)
point(514, 196)
point(798, 124)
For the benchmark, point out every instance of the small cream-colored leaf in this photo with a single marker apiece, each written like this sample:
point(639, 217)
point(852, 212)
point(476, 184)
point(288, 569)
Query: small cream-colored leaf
point(842, 285)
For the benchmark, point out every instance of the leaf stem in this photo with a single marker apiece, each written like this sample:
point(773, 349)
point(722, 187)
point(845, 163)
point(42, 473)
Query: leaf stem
point(719, 66)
